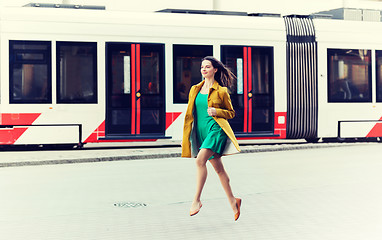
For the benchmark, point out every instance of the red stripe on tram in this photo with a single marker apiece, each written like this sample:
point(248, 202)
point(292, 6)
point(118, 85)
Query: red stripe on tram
point(245, 90)
point(138, 54)
point(250, 89)
point(132, 88)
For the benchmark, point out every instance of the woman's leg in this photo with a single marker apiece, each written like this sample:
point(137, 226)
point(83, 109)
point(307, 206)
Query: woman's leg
point(201, 175)
point(224, 179)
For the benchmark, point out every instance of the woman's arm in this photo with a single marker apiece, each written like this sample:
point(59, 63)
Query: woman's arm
point(226, 111)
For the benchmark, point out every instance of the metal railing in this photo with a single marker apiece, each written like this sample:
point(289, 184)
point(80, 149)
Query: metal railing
point(353, 121)
point(80, 143)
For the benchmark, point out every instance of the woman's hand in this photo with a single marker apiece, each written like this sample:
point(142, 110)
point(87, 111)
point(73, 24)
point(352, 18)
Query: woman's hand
point(211, 111)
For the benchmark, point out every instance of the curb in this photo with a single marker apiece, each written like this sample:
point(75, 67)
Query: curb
point(245, 149)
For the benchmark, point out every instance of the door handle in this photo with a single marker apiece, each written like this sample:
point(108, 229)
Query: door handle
point(138, 94)
point(250, 95)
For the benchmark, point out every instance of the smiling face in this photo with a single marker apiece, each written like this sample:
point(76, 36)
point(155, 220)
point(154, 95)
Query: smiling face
point(207, 70)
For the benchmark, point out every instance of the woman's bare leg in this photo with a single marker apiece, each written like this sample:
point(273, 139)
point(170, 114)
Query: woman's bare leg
point(224, 179)
point(201, 175)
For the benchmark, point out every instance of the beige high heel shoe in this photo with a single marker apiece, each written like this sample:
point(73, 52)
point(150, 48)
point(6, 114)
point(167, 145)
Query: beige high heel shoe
point(192, 213)
point(238, 205)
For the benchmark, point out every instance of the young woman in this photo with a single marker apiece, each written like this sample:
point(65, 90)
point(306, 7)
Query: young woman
point(206, 132)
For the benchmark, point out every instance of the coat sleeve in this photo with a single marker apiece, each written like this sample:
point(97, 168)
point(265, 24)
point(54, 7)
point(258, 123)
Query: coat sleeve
point(188, 114)
point(226, 111)
point(187, 127)
point(189, 99)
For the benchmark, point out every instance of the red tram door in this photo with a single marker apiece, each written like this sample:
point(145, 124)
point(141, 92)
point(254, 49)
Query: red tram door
point(135, 106)
point(252, 94)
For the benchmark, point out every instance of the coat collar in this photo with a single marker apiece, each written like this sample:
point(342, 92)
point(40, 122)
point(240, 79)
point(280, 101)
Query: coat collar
point(214, 86)
point(200, 85)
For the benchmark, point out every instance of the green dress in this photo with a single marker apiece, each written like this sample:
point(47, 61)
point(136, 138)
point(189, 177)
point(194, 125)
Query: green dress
point(208, 132)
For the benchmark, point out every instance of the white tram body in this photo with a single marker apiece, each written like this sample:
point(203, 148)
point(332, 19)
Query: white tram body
point(356, 116)
point(105, 76)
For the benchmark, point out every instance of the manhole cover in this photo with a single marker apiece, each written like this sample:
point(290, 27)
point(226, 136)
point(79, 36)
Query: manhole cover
point(130, 204)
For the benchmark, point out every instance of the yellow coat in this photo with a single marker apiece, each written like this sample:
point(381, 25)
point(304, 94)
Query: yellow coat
point(218, 98)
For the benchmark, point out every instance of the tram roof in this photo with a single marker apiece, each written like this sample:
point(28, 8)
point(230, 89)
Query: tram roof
point(92, 14)
point(151, 26)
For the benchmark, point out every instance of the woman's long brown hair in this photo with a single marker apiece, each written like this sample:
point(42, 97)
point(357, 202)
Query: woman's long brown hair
point(223, 76)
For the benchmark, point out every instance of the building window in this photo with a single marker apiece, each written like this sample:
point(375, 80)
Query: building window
point(76, 72)
point(187, 62)
point(30, 72)
point(349, 75)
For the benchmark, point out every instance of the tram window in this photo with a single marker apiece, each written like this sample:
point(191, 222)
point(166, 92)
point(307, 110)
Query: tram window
point(30, 72)
point(349, 75)
point(76, 72)
point(187, 61)
point(379, 75)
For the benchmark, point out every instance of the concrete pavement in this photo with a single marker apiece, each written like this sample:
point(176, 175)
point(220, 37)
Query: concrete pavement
point(312, 194)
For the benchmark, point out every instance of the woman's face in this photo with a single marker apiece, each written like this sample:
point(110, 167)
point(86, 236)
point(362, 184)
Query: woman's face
point(207, 70)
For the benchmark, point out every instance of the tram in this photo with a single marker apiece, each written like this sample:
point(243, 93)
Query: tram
point(74, 74)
